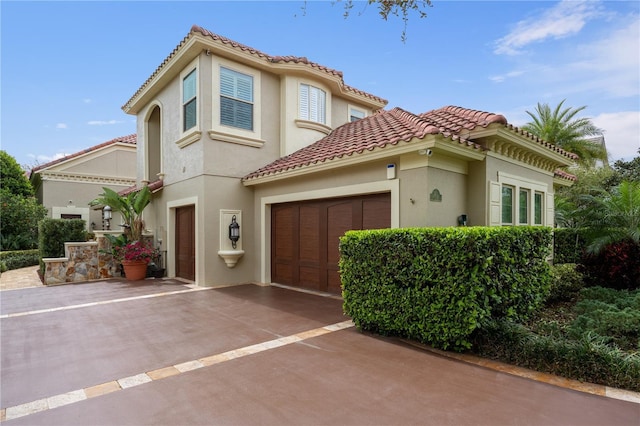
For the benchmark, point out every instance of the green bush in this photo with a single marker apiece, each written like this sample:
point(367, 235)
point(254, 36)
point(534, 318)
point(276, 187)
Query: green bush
point(587, 359)
point(53, 233)
point(19, 259)
point(612, 316)
point(437, 285)
point(568, 245)
point(566, 282)
point(3, 266)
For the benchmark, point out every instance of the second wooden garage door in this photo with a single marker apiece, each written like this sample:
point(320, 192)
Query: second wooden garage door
point(304, 237)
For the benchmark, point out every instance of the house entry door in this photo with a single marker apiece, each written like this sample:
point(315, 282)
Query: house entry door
point(186, 243)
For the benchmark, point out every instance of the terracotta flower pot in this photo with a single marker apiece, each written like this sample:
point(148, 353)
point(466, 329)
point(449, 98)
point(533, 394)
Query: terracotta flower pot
point(135, 270)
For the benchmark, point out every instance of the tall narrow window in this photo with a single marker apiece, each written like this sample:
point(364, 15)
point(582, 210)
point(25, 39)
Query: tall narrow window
point(189, 105)
point(312, 104)
point(537, 208)
point(507, 205)
point(523, 200)
point(236, 99)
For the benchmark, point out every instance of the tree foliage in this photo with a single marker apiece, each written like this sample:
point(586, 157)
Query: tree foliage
point(560, 127)
point(19, 210)
point(386, 8)
point(12, 177)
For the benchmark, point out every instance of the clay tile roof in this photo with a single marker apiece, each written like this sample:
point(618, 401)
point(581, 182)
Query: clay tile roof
point(153, 186)
point(376, 131)
point(129, 139)
point(542, 142)
point(267, 58)
point(564, 175)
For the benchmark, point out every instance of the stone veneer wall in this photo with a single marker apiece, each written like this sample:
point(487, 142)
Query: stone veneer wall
point(84, 261)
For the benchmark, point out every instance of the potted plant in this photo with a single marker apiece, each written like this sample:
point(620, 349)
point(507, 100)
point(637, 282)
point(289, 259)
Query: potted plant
point(134, 257)
point(129, 249)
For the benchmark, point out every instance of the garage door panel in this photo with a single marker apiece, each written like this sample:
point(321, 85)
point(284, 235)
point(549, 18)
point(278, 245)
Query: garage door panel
point(305, 237)
point(309, 239)
point(376, 214)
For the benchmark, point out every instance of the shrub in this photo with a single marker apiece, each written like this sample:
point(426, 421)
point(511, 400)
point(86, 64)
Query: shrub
point(53, 233)
point(613, 316)
point(437, 285)
point(616, 266)
point(568, 245)
point(566, 281)
point(587, 359)
point(19, 259)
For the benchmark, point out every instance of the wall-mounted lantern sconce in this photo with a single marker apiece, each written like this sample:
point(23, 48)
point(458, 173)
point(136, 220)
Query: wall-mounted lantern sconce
point(106, 212)
point(462, 220)
point(93, 226)
point(234, 232)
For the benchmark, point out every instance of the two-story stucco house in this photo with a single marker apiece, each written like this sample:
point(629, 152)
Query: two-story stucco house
point(282, 147)
point(66, 185)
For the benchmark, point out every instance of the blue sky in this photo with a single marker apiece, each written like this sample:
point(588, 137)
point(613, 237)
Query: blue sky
point(68, 67)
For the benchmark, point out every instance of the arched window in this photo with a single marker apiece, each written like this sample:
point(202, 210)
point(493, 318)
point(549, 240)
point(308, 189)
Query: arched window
point(154, 145)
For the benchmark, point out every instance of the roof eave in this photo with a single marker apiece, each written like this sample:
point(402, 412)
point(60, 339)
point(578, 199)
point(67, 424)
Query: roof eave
point(469, 151)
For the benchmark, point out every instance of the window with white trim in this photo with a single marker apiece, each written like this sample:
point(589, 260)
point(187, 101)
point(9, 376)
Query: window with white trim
point(312, 104)
point(189, 101)
point(523, 207)
point(515, 200)
point(236, 99)
point(507, 204)
point(538, 199)
point(356, 114)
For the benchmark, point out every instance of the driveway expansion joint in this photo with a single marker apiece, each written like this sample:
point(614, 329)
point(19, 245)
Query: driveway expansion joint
point(162, 373)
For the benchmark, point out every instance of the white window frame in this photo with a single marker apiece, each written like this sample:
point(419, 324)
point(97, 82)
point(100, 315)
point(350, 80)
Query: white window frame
point(358, 111)
point(309, 96)
point(531, 187)
point(191, 134)
point(234, 97)
point(220, 132)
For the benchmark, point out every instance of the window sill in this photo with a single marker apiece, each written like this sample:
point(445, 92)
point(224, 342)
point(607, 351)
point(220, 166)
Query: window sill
point(306, 124)
point(189, 138)
point(237, 139)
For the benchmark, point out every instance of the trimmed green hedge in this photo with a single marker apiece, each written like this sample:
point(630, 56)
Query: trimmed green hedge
point(19, 259)
point(53, 233)
point(438, 285)
point(569, 245)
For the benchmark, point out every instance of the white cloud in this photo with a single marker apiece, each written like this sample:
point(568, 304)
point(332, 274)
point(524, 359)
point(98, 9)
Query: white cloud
point(61, 126)
point(622, 133)
point(43, 159)
point(501, 78)
point(612, 63)
point(103, 122)
point(563, 20)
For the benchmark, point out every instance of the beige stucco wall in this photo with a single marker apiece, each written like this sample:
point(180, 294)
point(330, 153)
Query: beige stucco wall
point(120, 163)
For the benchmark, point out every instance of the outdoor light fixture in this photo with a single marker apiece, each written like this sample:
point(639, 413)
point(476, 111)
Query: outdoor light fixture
point(106, 212)
point(234, 231)
point(462, 220)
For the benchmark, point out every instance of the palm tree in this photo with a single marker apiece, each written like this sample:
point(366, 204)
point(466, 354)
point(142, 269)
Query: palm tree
point(560, 127)
point(615, 216)
point(130, 207)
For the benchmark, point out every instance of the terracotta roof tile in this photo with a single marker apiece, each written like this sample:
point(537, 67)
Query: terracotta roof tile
point(153, 186)
point(268, 58)
point(377, 131)
point(564, 175)
point(542, 142)
point(129, 139)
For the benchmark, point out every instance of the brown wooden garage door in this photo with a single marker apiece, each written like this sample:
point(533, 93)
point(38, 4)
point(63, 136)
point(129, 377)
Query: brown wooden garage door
point(305, 237)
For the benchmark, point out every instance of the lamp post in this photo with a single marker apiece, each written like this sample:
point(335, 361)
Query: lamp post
point(106, 213)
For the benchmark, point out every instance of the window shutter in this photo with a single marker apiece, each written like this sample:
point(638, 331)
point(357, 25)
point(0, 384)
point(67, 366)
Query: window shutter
point(304, 102)
point(495, 212)
point(236, 99)
point(550, 211)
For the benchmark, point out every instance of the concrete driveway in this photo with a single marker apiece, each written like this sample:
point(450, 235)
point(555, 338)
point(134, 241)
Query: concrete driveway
point(157, 352)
